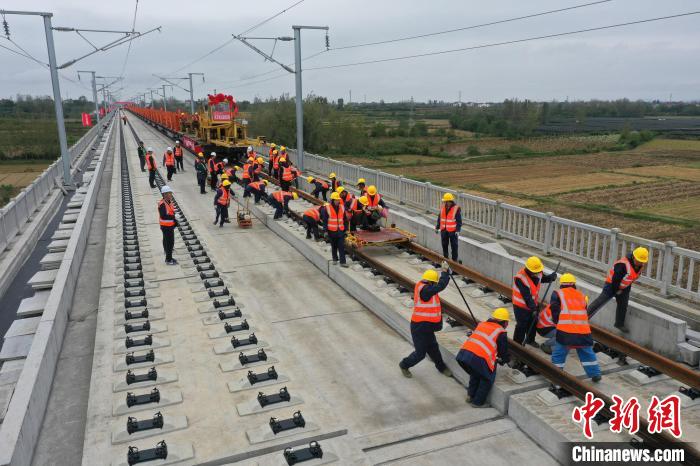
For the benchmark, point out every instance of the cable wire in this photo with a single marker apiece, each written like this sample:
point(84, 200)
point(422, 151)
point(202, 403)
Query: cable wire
point(509, 42)
point(270, 18)
point(133, 29)
point(476, 26)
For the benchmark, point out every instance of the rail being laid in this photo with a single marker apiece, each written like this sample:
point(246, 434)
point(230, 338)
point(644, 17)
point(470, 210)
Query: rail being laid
point(20, 209)
point(671, 269)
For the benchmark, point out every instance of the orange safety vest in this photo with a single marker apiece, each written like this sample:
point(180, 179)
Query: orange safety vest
point(517, 298)
point(324, 185)
point(178, 151)
point(313, 213)
point(258, 168)
point(170, 210)
point(483, 342)
point(355, 206)
point(246, 171)
point(258, 185)
point(448, 219)
point(573, 317)
point(150, 162)
point(224, 199)
point(630, 277)
point(374, 200)
point(335, 183)
point(212, 165)
point(219, 166)
point(231, 173)
point(280, 195)
point(336, 220)
point(425, 311)
point(544, 320)
point(287, 173)
point(276, 161)
point(169, 159)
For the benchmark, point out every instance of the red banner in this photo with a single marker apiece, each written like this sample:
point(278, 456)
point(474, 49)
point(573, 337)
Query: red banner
point(87, 120)
point(221, 116)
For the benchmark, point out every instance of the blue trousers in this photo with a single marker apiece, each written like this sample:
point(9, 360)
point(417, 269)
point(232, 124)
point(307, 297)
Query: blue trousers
point(479, 385)
point(585, 354)
point(424, 343)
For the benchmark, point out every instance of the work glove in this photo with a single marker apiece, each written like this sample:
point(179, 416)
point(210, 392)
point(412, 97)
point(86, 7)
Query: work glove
point(445, 266)
point(437, 230)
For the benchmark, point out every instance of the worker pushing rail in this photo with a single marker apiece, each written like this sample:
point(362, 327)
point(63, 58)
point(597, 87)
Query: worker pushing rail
point(526, 298)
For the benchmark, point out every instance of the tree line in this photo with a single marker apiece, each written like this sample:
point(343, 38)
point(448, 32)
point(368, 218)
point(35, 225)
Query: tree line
point(27, 106)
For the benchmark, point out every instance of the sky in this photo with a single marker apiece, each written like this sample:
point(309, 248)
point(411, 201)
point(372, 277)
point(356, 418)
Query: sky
point(655, 60)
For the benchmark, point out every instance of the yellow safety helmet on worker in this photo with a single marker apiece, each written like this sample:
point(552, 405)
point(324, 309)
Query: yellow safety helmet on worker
point(641, 255)
point(447, 197)
point(534, 264)
point(361, 181)
point(567, 279)
point(363, 200)
point(501, 314)
point(372, 190)
point(226, 183)
point(430, 275)
point(309, 179)
point(332, 175)
point(335, 196)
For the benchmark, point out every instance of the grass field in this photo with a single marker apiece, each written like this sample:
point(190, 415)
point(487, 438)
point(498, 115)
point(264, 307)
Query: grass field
point(652, 191)
point(15, 175)
point(34, 138)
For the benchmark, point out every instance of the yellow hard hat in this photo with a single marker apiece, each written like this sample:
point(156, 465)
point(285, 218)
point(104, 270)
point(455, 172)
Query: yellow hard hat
point(430, 275)
point(448, 197)
point(260, 160)
point(283, 148)
point(363, 200)
point(236, 167)
point(224, 176)
point(265, 182)
point(534, 264)
point(283, 159)
point(567, 279)
point(309, 179)
point(295, 196)
point(332, 175)
point(335, 197)
point(361, 180)
point(226, 183)
point(274, 152)
point(641, 254)
point(273, 145)
point(372, 190)
point(339, 189)
point(501, 314)
point(200, 154)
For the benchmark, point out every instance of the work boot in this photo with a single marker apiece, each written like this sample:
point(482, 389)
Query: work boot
point(446, 372)
point(534, 344)
point(596, 378)
point(547, 349)
point(335, 262)
point(406, 373)
point(308, 236)
point(469, 399)
point(344, 265)
point(485, 405)
point(622, 328)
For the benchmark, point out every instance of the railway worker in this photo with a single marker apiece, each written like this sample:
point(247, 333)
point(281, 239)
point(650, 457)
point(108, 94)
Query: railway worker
point(201, 169)
point(618, 285)
point(335, 182)
point(345, 195)
point(486, 346)
point(569, 312)
point(270, 159)
point(280, 201)
point(169, 162)
point(222, 178)
point(248, 173)
point(449, 223)
point(222, 200)
point(526, 289)
point(179, 157)
point(285, 175)
point(168, 222)
point(333, 218)
point(255, 189)
point(361, 186)
point(275, 163)
point(355, 212)
point(375, 209)
point(426, 320)
point(258, 168)
point(546, 328)
point(151, 166)
point(320, 187)
point(211, 166)
point(312, 219)
point(141, 151)
point(230, 172)
point(250, 153)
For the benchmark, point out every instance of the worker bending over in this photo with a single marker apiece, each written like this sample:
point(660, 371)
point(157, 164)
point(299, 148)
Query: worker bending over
point(449, 224)
point(320, 187)
point(151, 166)
point(486, 346)
point(374, 210)
point(355, 212)
point(546, 328)
point(312, 219)
point(255, 189)
point(222, 200)
point(573, 330)
point(258, 168)
point(200, 169)
point(141, 151)
point(168, 222)
point(333, 218)
point(618, 285)
point(335, 183)
point(179, 157)
point(169, 162)
point(426, 320)
point(526, 298)
point(280, 201)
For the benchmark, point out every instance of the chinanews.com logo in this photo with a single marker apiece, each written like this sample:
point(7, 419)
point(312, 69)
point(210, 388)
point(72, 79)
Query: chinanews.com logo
point(661, 415)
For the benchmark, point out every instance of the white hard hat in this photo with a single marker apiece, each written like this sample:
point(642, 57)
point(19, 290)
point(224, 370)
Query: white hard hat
point(150, 149)
point(169, 149)
point(250, 148)
point(225, 160)
point(166, 189)
point(213, 154)
point(177, 142)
